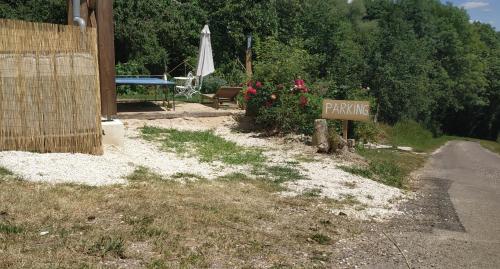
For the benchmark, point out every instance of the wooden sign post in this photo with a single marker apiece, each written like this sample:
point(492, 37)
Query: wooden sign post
point(346, 111)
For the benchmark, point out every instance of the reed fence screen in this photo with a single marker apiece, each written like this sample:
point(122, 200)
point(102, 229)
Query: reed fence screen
point(49, 88)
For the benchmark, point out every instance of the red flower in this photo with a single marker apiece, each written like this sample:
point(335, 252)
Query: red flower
point(258, 84)
point(250, 83)
point(251, 90)
point(303, 101)
point(299, 83)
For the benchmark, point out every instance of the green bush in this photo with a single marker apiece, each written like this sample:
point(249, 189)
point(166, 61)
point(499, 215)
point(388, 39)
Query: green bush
point(367, 132)
point(287, 113)
point(280, 63)
point(232, 72)
point(131, 68)
point(212, 83)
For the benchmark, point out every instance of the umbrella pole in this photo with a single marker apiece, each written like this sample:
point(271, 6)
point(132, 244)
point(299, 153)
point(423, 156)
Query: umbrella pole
point(201, 84)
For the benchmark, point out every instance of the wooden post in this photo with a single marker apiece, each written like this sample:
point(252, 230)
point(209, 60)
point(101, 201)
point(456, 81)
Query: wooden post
point(248, 60)
point(106, 46)
point(345, 128)
point(100, 14)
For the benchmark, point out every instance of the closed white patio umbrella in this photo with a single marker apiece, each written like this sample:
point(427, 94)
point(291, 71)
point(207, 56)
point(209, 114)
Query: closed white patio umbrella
point(205, 57)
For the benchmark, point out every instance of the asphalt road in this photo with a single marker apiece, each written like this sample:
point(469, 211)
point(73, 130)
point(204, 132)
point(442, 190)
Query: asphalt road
point(454, 222)
point(473, 174)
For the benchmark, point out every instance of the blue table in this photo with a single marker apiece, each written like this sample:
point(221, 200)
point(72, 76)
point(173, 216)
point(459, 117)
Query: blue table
point(147, 81)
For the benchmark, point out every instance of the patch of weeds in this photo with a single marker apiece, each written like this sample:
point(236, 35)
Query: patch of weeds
point(356, 170)
point(303, 158)
point(145, 231)
point(234, 177)
point(320, 256)
point(292, 163)
point(278, 174)
point(315, 192)
point(5, 172)
point(143, 220)
point(193, 259)
point(6, 228)
point(360, 207)
point(143, 226)
point(350, 200)
point(388, 173)
point(281, 266)
point(325, 222)
point(158, 264)
point(259, 182)
point(350, 185)
point(144, 174)
point(205, 145)
point(389, 167)
point(187, 176)
point(107, 245)
point(321, 239)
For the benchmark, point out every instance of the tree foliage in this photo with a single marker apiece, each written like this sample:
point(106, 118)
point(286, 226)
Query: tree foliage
point(422, 60)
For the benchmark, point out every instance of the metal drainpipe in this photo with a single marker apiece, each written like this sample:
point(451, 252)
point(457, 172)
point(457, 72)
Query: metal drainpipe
point(76, 15)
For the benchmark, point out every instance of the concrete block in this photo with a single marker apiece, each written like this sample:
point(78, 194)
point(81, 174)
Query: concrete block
point(113, 133)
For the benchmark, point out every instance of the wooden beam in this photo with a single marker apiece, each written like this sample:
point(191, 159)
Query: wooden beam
point(106, 46)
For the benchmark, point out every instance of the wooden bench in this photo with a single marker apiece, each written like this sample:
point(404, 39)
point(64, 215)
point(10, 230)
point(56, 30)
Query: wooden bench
point(224, 94)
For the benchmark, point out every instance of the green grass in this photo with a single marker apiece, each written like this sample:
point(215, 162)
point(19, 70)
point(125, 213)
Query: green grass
point(278, 174)
point(204, 145)
point(412, 134)
point(357, 170)
point(389, 167)
point(393, 167)
point(265, 177)
point(5, 172)
point(321, 238)
point(107, 245)
point(314, 192)
point(491, 145)
point(142, 173)
point(6, 228)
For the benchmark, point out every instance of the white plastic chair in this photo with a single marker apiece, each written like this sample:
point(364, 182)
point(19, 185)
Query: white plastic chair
point(187, 88)
point(195, 87)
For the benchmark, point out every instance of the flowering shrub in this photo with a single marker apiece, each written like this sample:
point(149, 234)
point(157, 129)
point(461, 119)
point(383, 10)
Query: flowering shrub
point(282, 109)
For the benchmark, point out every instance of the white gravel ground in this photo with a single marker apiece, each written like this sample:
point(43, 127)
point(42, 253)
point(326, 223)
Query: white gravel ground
point(376, 200)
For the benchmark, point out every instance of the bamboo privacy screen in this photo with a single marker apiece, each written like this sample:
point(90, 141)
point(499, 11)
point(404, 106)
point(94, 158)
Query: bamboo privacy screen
point(49, 88)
